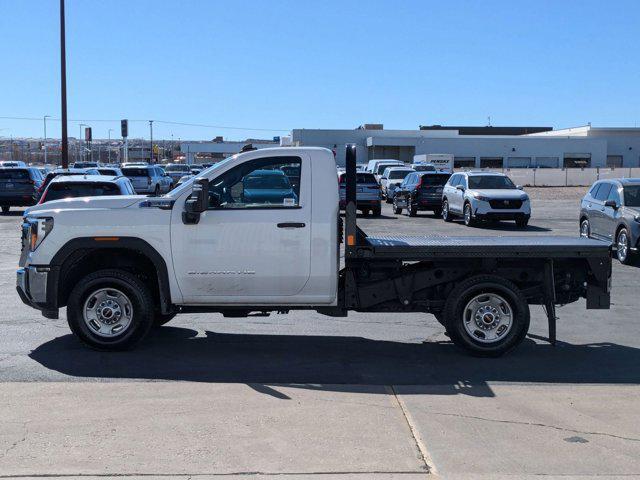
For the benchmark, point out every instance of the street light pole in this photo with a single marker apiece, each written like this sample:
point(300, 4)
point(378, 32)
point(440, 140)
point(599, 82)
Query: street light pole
point(80, 153)
point(109, 145)
point(151, 136)
point(45, 137)
point(64, 151)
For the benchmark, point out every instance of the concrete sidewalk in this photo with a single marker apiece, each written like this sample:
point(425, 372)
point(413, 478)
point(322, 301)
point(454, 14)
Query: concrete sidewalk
point(184, 428)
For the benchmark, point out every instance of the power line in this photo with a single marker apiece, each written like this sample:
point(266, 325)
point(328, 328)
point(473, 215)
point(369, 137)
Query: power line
point(166, 122)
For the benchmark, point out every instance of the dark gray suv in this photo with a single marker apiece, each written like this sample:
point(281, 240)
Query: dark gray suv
point(611, 211)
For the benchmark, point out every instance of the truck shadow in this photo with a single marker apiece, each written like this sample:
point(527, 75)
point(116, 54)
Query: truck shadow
point(338, 363)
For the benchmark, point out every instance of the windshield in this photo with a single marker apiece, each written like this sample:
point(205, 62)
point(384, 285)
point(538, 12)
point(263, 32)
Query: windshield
point(438, 179)
point(632, 196)
point(399, 174)
point(177, 168)
point(266, 181)
point(135, 172)
point(360, 178)
point(490, 182)
point(58, 191)
point(14, 175)
point(425, 168)
point(382, 167)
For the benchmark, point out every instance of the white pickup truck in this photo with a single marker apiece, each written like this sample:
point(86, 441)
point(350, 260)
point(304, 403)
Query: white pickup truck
point(261, 232)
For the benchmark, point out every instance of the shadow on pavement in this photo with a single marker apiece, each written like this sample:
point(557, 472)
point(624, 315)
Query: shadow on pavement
point(172, 353)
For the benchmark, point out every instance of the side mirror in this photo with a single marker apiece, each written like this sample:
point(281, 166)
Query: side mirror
point(611, 203)
point(460, 187)
point(519, 187)
point(197, 202)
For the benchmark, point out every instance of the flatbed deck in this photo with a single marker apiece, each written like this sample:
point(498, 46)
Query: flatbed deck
point(425, 247)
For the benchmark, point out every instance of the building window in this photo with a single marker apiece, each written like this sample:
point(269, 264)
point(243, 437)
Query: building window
point(577, 160)
point(464, 162)
point(518, 162)
point(546, 162)
point(614, 161)
point(491, 162)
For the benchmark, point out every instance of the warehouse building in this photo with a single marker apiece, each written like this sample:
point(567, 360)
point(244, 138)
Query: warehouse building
point(487, 147)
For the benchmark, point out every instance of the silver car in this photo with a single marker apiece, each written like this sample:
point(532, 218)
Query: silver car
point(148, 179)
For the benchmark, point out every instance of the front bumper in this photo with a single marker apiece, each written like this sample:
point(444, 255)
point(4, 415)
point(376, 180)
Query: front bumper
point(32, 284)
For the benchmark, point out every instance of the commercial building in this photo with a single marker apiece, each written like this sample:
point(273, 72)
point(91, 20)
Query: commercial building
point(490, 147)
point(198, 152)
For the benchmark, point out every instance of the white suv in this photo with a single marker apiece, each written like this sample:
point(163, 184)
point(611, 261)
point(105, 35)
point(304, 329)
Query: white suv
point(480, 196)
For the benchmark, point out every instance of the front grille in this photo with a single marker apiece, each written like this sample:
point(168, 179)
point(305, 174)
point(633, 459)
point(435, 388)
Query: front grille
point(505, 204)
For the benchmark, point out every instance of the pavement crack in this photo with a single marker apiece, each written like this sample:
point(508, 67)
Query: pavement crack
point(424, 454)
point(535, 424)
point(18, 442)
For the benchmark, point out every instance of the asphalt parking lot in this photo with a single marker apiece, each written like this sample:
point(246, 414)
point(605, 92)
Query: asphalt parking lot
point(301, 395)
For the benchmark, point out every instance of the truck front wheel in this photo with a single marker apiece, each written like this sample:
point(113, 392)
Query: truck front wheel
point(110, 310)
point(486, 315)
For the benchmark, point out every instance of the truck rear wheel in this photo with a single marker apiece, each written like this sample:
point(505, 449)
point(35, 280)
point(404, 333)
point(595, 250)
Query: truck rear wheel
point(110, 310)
point(486, 315)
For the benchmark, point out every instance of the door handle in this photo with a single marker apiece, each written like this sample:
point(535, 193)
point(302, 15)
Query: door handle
point(291, 225)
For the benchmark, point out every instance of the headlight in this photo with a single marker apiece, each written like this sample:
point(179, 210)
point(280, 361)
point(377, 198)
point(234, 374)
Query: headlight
point(38, 231)
point(477, 196)
point(637, 218)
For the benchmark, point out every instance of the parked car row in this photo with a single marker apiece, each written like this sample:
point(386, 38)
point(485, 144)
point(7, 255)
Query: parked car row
point(23, 186)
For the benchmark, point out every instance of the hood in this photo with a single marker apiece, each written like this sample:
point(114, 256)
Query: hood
point(506, 194)
point(84, 203)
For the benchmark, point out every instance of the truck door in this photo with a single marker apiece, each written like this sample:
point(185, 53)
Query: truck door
point(253, 243)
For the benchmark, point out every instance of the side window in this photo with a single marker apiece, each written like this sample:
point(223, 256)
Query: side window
point(453, 181)
point(264, 183)
point(603, 192)
point(614, 195)
point(594, 190)
point(410, 180)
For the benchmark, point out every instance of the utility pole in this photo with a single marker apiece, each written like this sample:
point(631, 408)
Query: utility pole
point(45, 137)
point(64, 152)
point(151, 136)
point(109, 145)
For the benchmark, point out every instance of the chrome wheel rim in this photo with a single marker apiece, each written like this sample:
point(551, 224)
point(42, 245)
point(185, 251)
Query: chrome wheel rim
point(623, 248)
point(467, 214)
point(107, 312)
point(584, 229)
point(488, 318)
point(445, 209)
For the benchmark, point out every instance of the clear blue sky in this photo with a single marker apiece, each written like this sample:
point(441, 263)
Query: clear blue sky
point(322, 64)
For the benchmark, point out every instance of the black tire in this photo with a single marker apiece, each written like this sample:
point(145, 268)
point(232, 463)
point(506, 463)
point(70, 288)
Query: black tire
point(156, 192)
point(159, 319)
point(397, 210)
point(413, 211)
point(437, 212)
point(477, 287)
point(5, 209)
point(522, 223)
point(469, 221)
point(388, 199)
point(623, 253)
point(377, 211)
point(446, 213)
point(138, 294)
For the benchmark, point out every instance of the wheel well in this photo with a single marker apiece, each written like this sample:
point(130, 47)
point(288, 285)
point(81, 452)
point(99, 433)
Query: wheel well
point(620, 227)
point(583, 218)
point(83, 262)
